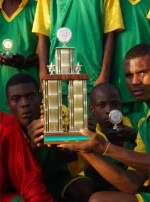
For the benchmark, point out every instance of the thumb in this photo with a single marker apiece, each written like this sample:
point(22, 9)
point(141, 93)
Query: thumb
point(87, 133)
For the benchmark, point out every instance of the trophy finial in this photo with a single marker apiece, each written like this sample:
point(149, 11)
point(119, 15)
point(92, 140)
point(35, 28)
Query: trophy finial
point(64, 35)
point(51, 68)
point(78, 68)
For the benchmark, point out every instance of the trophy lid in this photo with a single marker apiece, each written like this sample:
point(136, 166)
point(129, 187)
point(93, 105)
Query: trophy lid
point(64, 35)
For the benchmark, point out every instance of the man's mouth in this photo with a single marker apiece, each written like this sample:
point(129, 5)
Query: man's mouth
point(27, 114)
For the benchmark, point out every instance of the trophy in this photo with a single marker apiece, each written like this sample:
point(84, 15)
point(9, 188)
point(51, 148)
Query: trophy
point(56, 130)
point(7, 45)
point(115, 117)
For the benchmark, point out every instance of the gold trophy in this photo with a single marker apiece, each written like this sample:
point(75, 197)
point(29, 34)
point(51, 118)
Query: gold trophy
point(7, 45)
point(64, 71)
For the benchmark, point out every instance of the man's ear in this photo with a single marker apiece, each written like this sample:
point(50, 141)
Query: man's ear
point(91, 109)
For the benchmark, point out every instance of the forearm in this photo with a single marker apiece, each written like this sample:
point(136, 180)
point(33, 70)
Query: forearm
point(123, 180)
point(138, 161)
point(44, 47)
point(107, 54)
point(31, 61)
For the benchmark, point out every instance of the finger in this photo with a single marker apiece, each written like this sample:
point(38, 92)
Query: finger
point(88, 133)
point(39, 139)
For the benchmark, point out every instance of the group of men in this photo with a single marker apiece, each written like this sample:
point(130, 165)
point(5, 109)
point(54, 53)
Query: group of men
point(31, 171)
point(24, 102)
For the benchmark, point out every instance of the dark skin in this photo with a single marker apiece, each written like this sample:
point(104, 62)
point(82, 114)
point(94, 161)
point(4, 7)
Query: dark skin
point(18, 60)
point(137, 71)
point(102, 102)
point(24, 102)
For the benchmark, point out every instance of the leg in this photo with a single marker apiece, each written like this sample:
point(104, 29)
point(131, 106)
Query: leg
point(80, 190)
point(112, 196)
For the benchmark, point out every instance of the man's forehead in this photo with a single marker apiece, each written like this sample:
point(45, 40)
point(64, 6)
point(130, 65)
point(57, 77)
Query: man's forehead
point(21, 88)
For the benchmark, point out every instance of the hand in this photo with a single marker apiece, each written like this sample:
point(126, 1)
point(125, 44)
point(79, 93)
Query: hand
point(126, 133)
point(96, 144)
point(101, 79)
point(91, 124)
point(35, 131)
point(17, 60)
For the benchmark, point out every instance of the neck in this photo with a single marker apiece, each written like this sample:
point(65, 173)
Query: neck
point(148, 103)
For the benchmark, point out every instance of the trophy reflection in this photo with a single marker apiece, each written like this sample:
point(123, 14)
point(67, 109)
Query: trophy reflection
point(56, 130)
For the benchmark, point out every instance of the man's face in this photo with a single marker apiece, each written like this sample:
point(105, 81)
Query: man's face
point(24, 103)
point(102, 104)
point(137, 74)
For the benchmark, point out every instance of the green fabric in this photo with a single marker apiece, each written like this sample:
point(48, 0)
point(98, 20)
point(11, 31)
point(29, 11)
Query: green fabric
point(134, 119)
point(137, 30)
point(75, 15)
point(144, 131)
point(56, 173)
point(25, 42)
point(145, 197)
point(16, 199)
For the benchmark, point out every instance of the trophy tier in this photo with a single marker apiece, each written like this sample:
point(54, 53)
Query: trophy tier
point(56, 129)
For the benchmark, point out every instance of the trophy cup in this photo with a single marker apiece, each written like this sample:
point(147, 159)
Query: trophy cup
point(115, 117)
point(7, 45)
point(64, 71)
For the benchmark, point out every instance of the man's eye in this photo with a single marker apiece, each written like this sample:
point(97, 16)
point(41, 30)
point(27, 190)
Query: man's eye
point(31, 96)
point(128, 75)
point(101, 105)
point(15, 99)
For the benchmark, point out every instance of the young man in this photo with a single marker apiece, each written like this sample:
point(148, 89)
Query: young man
point(24, 102)
point(93, 25)
point(18, 166)
point(137, 71)
point(105, 97)
point(21, 43)
point(137, 31)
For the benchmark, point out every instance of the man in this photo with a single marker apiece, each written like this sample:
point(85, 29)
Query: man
point(136, 31)
point(18, 166)
point(137, 72)
point(21, 43)
point(93, 25)
point(24, 102)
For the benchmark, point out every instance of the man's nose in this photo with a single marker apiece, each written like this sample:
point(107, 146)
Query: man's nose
point(24, 102)
point(136, 79)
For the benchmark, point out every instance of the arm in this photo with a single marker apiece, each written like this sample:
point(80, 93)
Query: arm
point(97, 144)
point(126, 181)
point(107, 58)
point(44, 46)
point(19, 61)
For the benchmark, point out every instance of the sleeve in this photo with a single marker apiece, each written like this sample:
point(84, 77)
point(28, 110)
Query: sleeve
point(41, 23)
point(112, 16)
point(24, 171)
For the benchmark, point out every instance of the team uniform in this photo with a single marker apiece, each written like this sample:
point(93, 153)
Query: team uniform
point(17, 28)
point(87, 21)
point(136, 17)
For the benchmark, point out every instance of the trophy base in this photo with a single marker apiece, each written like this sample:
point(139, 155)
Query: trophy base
point(64, 137)
point(6, 56)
